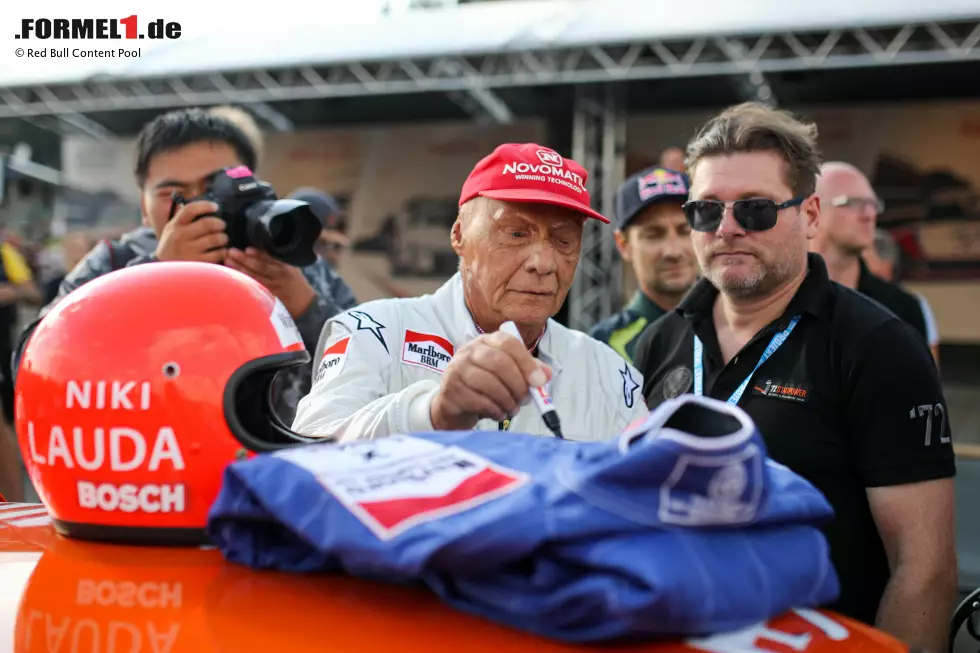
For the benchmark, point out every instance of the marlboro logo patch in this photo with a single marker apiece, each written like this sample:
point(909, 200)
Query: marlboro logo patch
point(426, 350)
point(333, 360)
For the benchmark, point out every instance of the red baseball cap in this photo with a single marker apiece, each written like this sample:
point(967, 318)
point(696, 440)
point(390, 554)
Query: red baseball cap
point(527, 172)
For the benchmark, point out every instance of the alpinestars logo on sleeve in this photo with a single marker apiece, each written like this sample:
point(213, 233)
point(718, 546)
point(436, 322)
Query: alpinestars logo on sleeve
point(367, 323)
point(630, 385)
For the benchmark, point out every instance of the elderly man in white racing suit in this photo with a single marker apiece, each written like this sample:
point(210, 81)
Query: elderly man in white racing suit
point(439, 362)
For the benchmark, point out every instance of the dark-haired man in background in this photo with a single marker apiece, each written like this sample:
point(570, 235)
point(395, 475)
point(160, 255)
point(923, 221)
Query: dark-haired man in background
point(180, 151)
point(654, 238)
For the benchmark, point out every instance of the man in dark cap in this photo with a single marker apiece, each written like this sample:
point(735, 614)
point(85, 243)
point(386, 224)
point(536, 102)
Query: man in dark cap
point(333, 240)
point(653, 236)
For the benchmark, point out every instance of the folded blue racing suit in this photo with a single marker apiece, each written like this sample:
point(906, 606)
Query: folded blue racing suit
point(680, 526)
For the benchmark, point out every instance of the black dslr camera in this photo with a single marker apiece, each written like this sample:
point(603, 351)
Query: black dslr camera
point(254, 217)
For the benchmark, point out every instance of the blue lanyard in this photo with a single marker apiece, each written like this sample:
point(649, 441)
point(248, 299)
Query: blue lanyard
point(774, 344)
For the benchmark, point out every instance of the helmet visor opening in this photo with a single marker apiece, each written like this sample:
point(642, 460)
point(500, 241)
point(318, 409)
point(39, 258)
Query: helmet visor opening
point(249, 409)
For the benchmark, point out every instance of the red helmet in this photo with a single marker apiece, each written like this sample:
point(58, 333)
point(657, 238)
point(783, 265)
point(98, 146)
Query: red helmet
point(137, 390)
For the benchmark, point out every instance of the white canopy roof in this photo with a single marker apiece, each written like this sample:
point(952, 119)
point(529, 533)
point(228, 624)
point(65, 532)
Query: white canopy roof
point(514, 25)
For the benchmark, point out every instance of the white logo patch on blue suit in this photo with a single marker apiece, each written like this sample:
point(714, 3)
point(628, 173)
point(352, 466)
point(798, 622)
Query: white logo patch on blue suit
point(705, 490)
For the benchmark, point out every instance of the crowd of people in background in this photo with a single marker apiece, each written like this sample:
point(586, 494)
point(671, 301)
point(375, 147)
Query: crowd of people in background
point(717, 268)
point(652, 236)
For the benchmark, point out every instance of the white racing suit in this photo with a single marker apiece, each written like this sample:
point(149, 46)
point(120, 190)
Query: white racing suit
point(378, 367)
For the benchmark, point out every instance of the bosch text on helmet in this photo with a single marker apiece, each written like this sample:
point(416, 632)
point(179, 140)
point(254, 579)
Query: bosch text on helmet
point(120, 449)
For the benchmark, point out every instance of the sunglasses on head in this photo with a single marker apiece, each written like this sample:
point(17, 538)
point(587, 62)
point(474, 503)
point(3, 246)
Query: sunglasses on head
point(756, 214)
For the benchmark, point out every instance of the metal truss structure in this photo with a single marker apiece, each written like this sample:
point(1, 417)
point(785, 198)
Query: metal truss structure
point(477, 75)
point(599, 144)
point(471, 81)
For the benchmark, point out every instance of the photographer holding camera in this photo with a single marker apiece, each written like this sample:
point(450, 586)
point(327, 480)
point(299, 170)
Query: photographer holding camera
point(200, 202)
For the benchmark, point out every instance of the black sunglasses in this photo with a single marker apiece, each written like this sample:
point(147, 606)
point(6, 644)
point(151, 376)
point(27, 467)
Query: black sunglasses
point(757, 214)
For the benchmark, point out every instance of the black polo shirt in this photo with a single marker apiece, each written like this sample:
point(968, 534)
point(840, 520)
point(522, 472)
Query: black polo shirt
point(851, 400)
point(901, 303)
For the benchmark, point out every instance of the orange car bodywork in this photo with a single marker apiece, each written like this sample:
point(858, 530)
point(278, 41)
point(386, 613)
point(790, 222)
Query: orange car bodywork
point(60, 595)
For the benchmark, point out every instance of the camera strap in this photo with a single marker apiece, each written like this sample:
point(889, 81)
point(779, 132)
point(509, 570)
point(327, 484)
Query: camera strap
point(117, 262)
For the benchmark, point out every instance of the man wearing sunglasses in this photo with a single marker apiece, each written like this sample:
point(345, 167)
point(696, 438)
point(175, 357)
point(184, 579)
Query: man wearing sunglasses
point(849, 209)
point(844, 392)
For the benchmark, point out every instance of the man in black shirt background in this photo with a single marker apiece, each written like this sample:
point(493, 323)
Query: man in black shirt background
point(849, 209)
point(883, 259)
point(843, 392)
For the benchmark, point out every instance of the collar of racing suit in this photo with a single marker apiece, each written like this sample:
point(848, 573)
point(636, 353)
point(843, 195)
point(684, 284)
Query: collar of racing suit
point(452, 294)
point(533, 349)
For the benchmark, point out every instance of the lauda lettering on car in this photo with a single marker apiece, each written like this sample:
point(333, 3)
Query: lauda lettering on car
point(66, 631)
point(116, 449)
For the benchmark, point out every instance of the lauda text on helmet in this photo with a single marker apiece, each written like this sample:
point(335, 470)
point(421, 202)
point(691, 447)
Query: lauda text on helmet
point(88, 449)
point(114, 449)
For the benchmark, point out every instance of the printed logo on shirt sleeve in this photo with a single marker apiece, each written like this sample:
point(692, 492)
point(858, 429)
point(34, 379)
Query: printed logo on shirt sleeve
point(932, 419)
point(367, 323)
point(630, 385)
point(332, 363)
point(426, 350)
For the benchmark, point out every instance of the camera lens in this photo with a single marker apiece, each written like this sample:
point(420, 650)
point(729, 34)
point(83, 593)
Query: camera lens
point(283, 232)
point(286, 229)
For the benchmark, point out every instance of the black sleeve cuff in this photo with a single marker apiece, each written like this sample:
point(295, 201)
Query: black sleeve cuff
point(913, 472)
